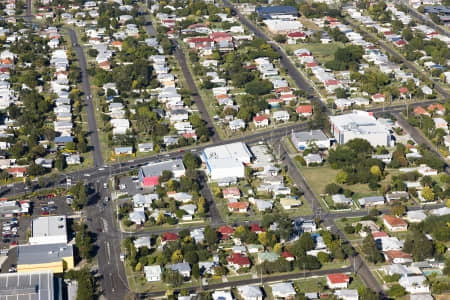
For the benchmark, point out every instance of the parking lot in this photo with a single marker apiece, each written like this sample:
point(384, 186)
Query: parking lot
point(14, 228)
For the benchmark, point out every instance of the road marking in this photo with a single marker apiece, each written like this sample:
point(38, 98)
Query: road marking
point(105, 225)
point(109, 251)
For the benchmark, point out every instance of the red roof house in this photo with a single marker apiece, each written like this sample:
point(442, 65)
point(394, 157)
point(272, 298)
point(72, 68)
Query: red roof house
point(419, 110)
point(238, 207)
point(256, 228)
point(168, 237)
point(379, 234)
point(231, 193)
point(378, 98)
point(288, 256)
point(261, 121)
point(438, 108)
point(225, 231)
point(221, 36)
point(403, 90)
point(338, 281)
point(237, 261)
point(200, 42)
point(398, 257)
point(304, 110)
point(17, 172)
point(311, 65)
point(394, 224)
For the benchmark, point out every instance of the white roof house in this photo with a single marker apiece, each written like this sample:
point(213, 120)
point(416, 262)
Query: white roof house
point(440, 211)
point(415, 216)
point(345, 294)
point(250, 292)
point(415, 284)
point(283, 290)
point(222, 295)
point(341, 199)
point(137, 216)
point(152, 273)
point(143, 241)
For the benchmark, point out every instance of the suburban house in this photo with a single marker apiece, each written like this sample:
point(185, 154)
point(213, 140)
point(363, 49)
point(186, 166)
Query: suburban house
point(237, 261)
point(250, 292)
point(394, 224)
point(238, 207)
point(261, 121)
point(338, 281)
point(152, 273)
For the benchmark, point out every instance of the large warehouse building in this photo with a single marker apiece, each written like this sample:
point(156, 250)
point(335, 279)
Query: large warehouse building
point(52, 257)
point(149, 174)
point(48, 230)
point(362, 125)
point(30, 285)
point(227, 160)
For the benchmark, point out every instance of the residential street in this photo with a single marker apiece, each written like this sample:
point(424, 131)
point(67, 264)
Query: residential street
point(89, 105)
point(420, 73)
point(296, 275)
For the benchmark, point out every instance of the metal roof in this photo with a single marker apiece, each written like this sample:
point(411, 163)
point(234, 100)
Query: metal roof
point(27, 286)
point(41, 254)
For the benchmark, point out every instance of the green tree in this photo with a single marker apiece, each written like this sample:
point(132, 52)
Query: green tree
point(60, 162)
point(396, 291)
point(370, 249)
point(398, 209)
point(427, 194)
point(323, 257)
point(173, 278)
point(191, 161)
point(86, 284)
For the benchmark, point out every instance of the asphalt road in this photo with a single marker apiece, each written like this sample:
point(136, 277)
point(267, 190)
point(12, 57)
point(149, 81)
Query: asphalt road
point(100, 218)
point(424, 18)
point(94, 174)
point(90, 110)
point(417, 135)
point(301, 82)
point(224, 285)
point(418, 72)
point(181, 58)
point(358, 263)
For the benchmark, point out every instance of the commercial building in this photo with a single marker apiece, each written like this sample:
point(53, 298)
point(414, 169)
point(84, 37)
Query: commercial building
point(304, 139)
point(362, 125)
point(52, 257)
point(226, 160)
point(149, 174)
point(277, 12)
point(29, 285)
point(48, 230)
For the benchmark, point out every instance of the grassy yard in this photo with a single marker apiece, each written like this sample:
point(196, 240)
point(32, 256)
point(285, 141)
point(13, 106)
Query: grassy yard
point(319, 177)
point(321, 52)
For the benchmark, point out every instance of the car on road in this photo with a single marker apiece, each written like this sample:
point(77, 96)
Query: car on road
point(181, 150)
point(101, 169)
point(105, 185)
point(87, 175)
point(45, 213)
